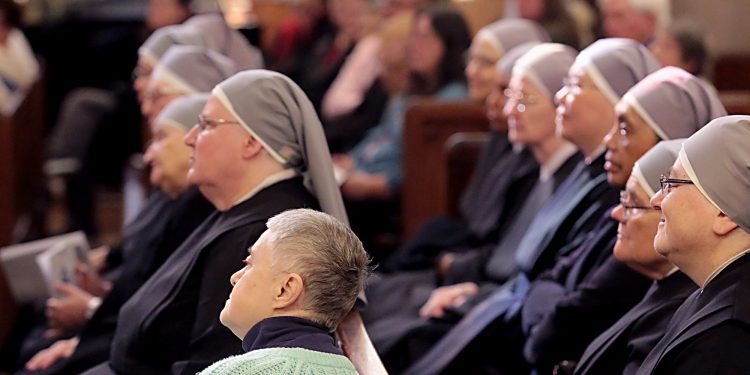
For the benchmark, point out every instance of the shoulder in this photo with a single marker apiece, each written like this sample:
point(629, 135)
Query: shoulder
point(281, 360)
point(721, 349)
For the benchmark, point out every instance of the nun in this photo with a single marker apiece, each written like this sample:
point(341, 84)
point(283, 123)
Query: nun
point(622, 347)
point(173, 211)
point(564, 240)
point(258, 149)
point(705, 231)
point(669, 103)
point(184, 70)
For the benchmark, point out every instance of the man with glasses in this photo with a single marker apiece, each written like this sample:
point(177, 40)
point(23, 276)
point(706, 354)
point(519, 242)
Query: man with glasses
point(705, 231)
point(587, 293)
point(622, 348)
point(257, 150)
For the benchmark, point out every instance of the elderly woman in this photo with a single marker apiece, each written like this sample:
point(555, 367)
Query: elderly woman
point(301, 278)
point(537, 75)
point(173, 211)
point(257, 150)
point(622, 348)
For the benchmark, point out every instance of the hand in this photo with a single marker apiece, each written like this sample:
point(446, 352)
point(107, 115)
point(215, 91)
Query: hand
point(69, 311)
point(445, 297)
point(59, 350)
point(444, 263)
point(98, 258)
point(362, 186)
point(343, 161)
point(91, 282)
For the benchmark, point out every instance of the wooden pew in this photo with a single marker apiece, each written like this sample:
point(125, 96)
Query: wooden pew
point(357, 345)
point(737, 102)
point(460, 157)
point(427, 126)
point(21, 153)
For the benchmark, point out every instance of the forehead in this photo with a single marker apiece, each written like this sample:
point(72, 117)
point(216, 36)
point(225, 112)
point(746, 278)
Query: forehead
point(215, 109)
point(481, 45)
point(635, 190)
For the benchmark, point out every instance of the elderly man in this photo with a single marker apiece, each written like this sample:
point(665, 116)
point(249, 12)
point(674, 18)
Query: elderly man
point(622, 348)
point(301, 278)
point(705, 231)
point(635, 19)
point(258, 149)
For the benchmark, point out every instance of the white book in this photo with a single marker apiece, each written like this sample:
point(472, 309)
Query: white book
point(32, 268)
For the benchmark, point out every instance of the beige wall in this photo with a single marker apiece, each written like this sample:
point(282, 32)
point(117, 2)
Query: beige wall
point(480, 12)
point(725, 21)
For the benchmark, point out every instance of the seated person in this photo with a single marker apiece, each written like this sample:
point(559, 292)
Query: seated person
point(485, 205)
point(156, 233)
point(371, 173)
point(301, 278)
point(258, 149)
point(682, 45)
point(705, 231)
point(622, 348)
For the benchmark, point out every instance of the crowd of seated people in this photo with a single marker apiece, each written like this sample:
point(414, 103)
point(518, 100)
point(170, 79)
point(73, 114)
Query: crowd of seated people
point(293, 174)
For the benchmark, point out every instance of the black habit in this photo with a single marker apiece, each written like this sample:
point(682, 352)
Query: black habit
point(171, 324)
point(710, 333)
point(622, 348)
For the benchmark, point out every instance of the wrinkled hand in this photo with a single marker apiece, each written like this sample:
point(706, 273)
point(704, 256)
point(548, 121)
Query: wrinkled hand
point(59, 350)
point(445, 297)
point(98, 258)
point(69, 311)
point(91, 282)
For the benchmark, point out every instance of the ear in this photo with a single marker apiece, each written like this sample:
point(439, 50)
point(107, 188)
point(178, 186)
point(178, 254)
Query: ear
point(289, 292)
point(251, 147)
point(723, 225)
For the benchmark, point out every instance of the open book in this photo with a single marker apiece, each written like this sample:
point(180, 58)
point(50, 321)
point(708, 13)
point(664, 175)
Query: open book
point(33, 268)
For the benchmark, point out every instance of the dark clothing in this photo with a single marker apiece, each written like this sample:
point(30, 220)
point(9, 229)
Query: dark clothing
point(559, 228)
point(582, 296)
point(710, 332)
point(623, 347)
point(290, 332)
point(171, 324)
point(345, 132)
point(157, 231)
point(499, 184)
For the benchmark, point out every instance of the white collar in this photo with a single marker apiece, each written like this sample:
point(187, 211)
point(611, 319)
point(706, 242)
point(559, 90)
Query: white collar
point(268, 181)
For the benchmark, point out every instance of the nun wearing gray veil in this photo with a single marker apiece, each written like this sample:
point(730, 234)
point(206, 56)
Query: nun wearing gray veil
point(257, 150)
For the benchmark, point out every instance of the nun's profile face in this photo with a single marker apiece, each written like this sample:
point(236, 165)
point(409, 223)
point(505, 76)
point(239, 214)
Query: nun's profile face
point(636, 230)
point(168, 157)
point(583, 112)
point(495, 103)
point(480, 67)
point(530, 113)
point(686, 220)
point(141, 76)
point(629, 138)
point(217, 149)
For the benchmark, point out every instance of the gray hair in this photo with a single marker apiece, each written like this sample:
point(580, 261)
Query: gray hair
point(659, 8)
point(327, 255)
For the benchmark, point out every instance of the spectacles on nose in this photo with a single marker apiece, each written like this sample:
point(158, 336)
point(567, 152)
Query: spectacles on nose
point(630, 209)
point(522, 100)
point(205, 123)
point(667, 184)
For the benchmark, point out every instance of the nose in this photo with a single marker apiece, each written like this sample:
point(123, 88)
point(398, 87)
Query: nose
point(148, 156)
point(618, 213)
point(560, 95)
point(610, 140)
point(189, 138)
point(656, 200)
point(511, 108)
point(236, 276)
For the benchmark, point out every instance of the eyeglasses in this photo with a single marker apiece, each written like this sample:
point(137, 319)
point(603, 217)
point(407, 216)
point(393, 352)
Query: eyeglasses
point(523, 100)
point(139, 72)
point(629, 209)
point(207, 122)
point(668, 183)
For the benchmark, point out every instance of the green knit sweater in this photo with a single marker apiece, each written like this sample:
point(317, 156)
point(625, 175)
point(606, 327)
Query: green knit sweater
point(282, 361)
